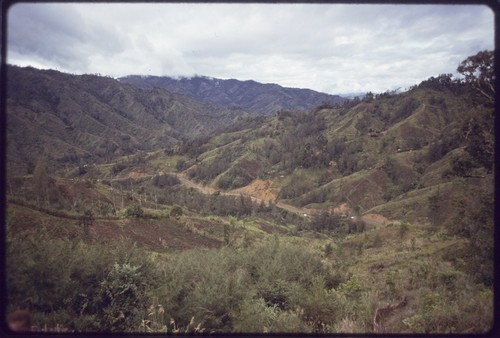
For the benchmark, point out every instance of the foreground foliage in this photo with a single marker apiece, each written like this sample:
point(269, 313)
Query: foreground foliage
point(276, 285)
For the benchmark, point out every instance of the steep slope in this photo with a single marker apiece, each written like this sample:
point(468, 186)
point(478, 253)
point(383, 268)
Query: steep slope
point(88, 117)
point(254, 97)
point(376, 216)
point(382, 155)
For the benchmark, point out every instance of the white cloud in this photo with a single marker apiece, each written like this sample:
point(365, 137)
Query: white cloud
point(331, 48)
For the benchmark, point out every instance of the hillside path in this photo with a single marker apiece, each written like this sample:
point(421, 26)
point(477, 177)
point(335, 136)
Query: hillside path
point(370, 219)
point(198, 186)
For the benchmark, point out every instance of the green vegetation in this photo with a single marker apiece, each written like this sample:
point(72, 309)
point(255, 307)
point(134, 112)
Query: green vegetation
point(277, 284)
point(376, 216)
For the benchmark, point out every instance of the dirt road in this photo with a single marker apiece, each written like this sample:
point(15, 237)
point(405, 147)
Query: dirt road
point(191, 184)
point(209, 190)
point(370, 219)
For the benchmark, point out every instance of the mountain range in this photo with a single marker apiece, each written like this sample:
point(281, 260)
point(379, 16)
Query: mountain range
point(252, 96)
point(385, 154)
point(87, 117)
point(265, 209)
point(366, 152)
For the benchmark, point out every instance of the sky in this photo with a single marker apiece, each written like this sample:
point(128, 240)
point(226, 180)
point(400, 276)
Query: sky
point(332, 48)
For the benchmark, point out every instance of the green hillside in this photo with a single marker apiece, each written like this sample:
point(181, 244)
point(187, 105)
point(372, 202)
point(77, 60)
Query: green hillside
point(371, 154)
point(254, 97)
point(80, 119)
point(373, 217)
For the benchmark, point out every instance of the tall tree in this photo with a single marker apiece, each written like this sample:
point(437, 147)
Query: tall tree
point(479, 71)
point(87, 220)
point(41, 181)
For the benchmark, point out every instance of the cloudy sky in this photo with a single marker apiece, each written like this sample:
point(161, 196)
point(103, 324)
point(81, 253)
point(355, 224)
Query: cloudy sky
point(331, 48)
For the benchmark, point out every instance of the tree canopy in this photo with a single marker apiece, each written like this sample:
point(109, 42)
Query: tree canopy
point(479, 71)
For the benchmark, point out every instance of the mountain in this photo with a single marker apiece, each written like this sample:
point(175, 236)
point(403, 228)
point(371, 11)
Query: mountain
point(383, 154)
point(88, 117)
point(252, 96)
point(371, 217)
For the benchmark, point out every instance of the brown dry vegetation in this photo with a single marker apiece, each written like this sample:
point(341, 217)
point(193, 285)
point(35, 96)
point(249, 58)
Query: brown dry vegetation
point(259, 189)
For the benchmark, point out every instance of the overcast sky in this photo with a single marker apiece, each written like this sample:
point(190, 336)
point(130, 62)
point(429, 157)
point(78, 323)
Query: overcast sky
point(330, 48)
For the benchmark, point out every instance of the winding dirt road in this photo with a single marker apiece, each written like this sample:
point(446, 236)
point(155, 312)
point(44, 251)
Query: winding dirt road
point(209, 190)
point(370, 219)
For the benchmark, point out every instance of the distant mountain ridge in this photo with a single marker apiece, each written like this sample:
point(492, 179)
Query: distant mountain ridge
point(87, 117)
point(254, 97)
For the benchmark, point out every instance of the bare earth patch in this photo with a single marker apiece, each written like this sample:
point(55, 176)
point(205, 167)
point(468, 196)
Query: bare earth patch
point(151, 233)
point(375, 219)
point(260, 189)
point(342, 210)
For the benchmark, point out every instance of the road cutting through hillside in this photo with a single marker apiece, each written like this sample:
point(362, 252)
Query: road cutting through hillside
point(191, 184)
point(370, 219)
point(211, 191)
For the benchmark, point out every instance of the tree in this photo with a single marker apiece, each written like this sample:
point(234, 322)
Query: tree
point(180, 165)
point(434, 207)
point(229, 230)
point(480, 73)
point(135, 210)
point(87, 219)
point(41, 181)
point(325, 222)
point(176, 212)
point(480, 140)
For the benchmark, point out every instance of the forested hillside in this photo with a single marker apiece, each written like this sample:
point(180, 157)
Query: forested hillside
point(372, 153)
point(139, 210)
point(254, 97)
point(80, 119)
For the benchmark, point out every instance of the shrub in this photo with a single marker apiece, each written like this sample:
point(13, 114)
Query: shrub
point(56, 279)
point(135, 210)
point(122, 297)
point(221, 287)
point(176, 212)
point(352, 288)
point(328, 249)
point(118, 167)
point(325, 222)
point(322, 308)
point(203, 283)
point(255, 316)
point(276, 294)
point(403, 228)
point(165, 180)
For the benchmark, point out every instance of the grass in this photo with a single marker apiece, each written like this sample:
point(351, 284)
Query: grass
point(165, 163)
point(25, 219)
point(228, 138)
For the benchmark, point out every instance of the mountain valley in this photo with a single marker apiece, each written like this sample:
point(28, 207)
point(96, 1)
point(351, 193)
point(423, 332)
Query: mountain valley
point(231, 206)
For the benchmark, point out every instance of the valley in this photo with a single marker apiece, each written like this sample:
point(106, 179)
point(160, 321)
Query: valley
point(131, 208)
